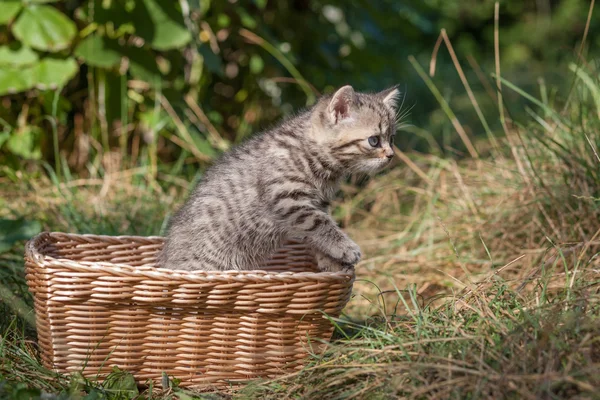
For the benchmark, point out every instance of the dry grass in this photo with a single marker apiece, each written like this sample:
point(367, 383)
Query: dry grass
point(466, 222)
point(478, 281)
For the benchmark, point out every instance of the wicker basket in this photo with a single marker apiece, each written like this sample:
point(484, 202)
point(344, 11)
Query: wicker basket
point(100, 301)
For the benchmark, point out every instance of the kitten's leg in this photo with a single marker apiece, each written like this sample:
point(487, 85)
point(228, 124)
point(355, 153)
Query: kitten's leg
point(320, 231)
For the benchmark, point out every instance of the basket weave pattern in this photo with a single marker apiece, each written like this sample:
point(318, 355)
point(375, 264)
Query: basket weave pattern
point(100, 301)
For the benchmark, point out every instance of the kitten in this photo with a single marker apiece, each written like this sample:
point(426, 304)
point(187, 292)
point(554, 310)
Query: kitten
point(278, 185)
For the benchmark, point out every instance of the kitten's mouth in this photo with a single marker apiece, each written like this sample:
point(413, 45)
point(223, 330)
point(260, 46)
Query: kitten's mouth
point(386, 162)
point(379, 164)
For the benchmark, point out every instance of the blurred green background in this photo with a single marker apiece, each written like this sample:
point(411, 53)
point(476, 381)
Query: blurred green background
point(169, 85)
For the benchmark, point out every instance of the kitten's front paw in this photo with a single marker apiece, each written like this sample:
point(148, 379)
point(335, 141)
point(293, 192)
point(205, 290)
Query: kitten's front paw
point(346, 253)
point(351, 255)
point(328, 264)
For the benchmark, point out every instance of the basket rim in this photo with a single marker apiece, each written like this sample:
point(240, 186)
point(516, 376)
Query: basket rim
point(150, 271)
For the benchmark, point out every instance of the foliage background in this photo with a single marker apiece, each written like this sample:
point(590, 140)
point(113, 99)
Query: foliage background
point(169, 85)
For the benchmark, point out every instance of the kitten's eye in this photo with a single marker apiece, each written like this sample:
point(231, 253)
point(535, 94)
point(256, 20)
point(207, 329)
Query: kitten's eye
point(392, 140)
point(374, 141)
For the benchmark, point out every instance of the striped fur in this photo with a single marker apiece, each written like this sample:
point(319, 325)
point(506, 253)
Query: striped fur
point(279, 184)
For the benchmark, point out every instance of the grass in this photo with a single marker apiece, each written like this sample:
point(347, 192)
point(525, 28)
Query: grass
point(481, 277)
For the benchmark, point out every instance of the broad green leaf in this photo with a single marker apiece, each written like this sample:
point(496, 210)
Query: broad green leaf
point(44, 28)
point(14, 230)
point(10, 8)
point(24, 143)
point(17, 55)
point(48, 73)
point(14, 80)
point(53, 73)
point(99, 51)
point(160, 24)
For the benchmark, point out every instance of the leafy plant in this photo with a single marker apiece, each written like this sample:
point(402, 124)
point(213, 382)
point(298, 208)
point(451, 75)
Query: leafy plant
point(39, 27)
point(209, 73)
point(14, 230)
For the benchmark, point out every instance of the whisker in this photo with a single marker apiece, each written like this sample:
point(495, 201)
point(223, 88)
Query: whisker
point(404, 114)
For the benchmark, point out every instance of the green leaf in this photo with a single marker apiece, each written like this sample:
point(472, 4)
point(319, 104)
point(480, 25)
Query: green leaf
point(247, 20)
point(25, 143)
point(591, 83)
point(95, 394)
point(14, 80)
point(256, 64)
point(25, 393)
point(54, 73)
point(4, 137)
point(10, 8)
point(116, 13)
point(14, 230)
point(48, 73)
point(160, 24)
point(113, 95)
point(223, 20)
point(17, 55)
point(142, 64)
point(183, 396)
point(211, 60)
point(121, 384)
point(50, 105)
point(44, 28)
point(260, 3)
point(204, 146)
point(99, 51)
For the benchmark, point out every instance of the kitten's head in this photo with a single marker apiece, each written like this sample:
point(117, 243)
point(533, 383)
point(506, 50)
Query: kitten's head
point(358, 128)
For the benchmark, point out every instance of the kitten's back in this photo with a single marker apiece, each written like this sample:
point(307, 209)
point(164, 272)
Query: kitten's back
point(223, 225)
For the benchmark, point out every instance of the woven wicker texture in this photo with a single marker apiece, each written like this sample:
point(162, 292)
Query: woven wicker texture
point(100, 301)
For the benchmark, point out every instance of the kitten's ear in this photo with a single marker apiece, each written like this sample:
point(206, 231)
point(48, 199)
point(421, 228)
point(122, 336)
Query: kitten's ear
point(390, 98)
point(341, 104)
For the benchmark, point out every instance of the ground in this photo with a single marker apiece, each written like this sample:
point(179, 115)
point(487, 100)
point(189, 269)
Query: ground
point(481, 279)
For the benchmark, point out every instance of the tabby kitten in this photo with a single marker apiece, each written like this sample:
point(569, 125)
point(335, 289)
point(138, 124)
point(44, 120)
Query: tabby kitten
point(278, 185)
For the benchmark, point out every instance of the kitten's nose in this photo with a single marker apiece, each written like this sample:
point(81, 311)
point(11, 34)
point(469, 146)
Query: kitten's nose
point(389, 153)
